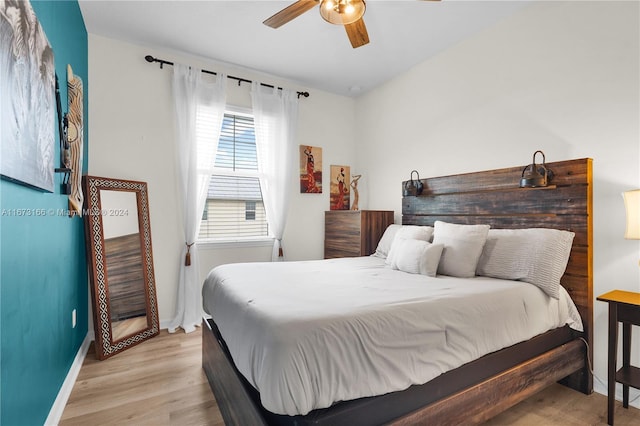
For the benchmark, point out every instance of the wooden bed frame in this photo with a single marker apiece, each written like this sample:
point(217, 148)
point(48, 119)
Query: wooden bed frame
point(479, 390)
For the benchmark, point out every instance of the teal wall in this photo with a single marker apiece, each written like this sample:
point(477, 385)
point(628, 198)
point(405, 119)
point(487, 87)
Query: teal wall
point(43, 274)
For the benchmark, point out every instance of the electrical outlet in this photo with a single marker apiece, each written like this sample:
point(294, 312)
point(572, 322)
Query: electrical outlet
point(73, 319)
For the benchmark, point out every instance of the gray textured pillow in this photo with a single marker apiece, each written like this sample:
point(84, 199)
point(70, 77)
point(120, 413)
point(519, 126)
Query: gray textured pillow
point(462, 247)
point(410, 232)
point(416, 256)
point(538, 256)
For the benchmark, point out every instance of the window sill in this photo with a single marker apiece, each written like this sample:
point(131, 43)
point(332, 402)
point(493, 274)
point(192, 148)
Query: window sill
point(235, 243)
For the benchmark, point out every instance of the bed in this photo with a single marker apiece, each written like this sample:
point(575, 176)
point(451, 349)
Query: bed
point(242, 345)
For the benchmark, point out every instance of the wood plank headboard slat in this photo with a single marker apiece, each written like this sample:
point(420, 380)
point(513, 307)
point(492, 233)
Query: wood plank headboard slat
point(565, 173)
point(569, 199)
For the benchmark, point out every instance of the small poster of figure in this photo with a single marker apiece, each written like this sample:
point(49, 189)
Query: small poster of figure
point(339, 193)
point(310, 169)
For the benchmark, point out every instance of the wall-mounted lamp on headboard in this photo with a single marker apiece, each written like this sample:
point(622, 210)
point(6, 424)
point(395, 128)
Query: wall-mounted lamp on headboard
point(537, 175)
point(413, 187)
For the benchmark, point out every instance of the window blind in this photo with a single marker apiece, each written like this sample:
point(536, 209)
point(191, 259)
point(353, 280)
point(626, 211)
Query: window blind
point(234, 207)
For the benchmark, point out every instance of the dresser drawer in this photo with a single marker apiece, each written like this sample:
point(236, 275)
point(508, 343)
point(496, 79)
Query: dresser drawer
point(354, 233)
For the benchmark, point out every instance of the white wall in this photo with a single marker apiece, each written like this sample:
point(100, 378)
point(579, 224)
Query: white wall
point(119, 213)
point(131, 136)
point(562, 77)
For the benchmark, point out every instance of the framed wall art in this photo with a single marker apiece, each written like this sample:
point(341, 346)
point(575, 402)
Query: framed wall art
point(339, 193)
point(27, 103)
point(310, 169)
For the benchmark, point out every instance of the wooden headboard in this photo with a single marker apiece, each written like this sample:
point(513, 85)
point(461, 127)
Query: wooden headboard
point(494, 197)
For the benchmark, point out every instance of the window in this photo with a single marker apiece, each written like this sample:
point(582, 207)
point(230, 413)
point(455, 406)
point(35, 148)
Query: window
point(250, 210)
point(234, 208)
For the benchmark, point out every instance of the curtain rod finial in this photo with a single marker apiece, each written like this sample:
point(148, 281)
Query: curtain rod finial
point(149, 58)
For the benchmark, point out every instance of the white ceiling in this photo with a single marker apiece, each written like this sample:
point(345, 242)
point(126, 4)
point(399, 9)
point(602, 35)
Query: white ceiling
point(307, 50)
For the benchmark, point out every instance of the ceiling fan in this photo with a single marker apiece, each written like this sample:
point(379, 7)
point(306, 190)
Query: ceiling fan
point(339, 12)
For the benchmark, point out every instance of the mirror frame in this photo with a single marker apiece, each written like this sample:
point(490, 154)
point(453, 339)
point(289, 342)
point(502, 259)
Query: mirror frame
point(96, 259)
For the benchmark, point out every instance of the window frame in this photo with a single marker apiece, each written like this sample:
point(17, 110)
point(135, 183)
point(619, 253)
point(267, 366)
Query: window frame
point(231, 242)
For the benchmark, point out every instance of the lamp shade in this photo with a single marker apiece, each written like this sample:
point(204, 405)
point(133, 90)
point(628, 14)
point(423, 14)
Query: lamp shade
point(632, 206)
point(342, 12)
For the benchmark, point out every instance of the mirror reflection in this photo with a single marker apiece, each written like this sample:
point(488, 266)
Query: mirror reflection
point(123, 251)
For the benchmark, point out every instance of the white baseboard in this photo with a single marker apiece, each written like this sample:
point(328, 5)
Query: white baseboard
point(600, 387)
point(67, 386)
point(164, 324)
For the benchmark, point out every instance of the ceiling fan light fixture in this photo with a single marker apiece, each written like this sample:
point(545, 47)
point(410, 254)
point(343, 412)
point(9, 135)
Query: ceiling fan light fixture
point(342, 12)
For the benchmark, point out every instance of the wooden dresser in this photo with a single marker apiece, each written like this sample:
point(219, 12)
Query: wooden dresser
point(349, 233)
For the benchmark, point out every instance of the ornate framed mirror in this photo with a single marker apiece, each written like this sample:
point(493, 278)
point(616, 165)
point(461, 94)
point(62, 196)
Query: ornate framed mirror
point(118, 238)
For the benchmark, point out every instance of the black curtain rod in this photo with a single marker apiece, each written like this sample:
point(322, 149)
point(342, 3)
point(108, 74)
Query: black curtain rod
point(162, 62)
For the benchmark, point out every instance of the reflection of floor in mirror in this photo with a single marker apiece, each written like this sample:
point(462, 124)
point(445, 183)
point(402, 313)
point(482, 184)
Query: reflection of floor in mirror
point(120, 329)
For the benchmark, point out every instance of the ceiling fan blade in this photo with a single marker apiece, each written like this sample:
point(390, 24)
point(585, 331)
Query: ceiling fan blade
point(289, 13)
point(357, 33)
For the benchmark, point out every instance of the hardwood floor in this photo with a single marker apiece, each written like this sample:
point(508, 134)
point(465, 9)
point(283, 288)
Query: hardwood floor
point(561, 406)
point(161, 382)
point(158, 382)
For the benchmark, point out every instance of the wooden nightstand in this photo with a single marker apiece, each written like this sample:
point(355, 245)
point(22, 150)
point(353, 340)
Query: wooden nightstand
point(624, 307)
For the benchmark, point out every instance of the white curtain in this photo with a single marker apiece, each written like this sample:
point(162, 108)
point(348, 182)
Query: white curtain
point(199, 110)
point(276, 120)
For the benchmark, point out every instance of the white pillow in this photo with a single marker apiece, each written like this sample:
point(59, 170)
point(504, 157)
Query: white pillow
point(415, 232)
point(410, 232)
point(384, 245)
point(538, 256)
point(462, 247)
point(416, 256)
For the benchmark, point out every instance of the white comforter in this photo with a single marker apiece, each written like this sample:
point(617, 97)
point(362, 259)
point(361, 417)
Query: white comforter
point(308, 334)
